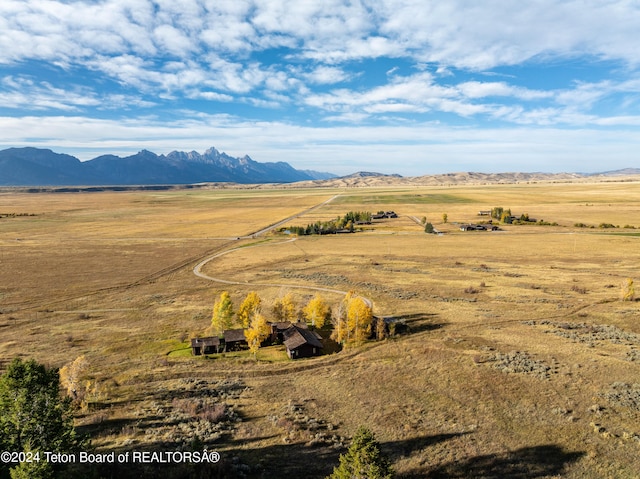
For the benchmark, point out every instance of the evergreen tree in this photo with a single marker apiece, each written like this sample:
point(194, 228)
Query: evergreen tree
point(363, 460)
point(34, 417)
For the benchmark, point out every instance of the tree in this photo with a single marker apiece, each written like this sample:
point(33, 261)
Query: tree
point(249, 307)
point(257, 332)
point(445, 217)
point(33, 417)
point(316, 311)
point(71, 375)
point(628, 291)
point(428, 228)
point(284, 308)
point(352, 323)
point(359, 319)
point(222, 317)
point(363, 460)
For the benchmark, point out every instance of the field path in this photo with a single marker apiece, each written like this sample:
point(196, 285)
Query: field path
point(265, 230)
point(197, 270)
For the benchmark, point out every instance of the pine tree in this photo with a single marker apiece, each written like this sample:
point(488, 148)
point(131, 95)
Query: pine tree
point(33, 417)
point(363, 460)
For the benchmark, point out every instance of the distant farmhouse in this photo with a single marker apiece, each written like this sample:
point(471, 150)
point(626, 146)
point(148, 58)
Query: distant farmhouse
point(384, 214)
point(473, 227)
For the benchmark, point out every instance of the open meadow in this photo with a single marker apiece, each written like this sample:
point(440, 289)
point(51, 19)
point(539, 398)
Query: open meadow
point(516, 356)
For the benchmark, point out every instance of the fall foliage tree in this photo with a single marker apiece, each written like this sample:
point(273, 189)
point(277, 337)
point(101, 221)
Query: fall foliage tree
point(359, 318)
point(284, 308)
point(71, 376)
point(222, 317)
point(257, 332)
point(352, 324)
point(316, 311)
point(628, 290)
point(364, 459)
point(249, 307)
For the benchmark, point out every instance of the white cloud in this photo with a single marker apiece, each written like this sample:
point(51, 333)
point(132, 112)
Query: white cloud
point(326, 75)
point(414, 149)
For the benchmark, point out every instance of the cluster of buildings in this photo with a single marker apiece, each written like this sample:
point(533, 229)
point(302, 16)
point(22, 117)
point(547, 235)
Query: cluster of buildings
point(298, 340)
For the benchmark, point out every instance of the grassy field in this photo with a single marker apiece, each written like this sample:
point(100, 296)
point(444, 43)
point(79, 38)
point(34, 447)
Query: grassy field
point(519, 357)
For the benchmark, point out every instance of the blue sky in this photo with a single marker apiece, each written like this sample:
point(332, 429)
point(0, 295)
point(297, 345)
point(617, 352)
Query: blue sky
point(411, 87)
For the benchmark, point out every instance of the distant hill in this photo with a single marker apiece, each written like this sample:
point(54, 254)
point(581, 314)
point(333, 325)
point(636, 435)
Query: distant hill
point(42, 167)
point(623, 172)
point(366, 179)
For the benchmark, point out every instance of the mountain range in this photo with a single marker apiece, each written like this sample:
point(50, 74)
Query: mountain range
point(42, 167)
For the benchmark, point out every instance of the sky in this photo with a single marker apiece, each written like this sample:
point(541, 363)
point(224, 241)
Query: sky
point(411, 87)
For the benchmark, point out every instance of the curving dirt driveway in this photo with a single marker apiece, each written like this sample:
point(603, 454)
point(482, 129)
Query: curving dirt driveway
point(197, 270)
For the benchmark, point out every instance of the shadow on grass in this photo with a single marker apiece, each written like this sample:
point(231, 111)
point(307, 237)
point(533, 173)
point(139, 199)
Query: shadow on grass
point(526, 463)
point(416, 323)
point(240, 459)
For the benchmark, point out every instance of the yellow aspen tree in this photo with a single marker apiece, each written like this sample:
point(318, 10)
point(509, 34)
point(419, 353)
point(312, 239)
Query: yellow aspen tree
point(359, 319)
point(352, 324)
point(628, 291)
point(249, 307)
point(339, 320)
point(316, 311)
point(222, 317)
point(257, 332)
point(284, 308)
point(71, 375)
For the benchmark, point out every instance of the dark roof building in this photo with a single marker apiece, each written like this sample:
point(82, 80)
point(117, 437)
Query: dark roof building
point(209, 345)
point(234, 339)
point(302, 343)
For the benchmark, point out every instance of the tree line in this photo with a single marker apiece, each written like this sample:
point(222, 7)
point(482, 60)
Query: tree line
point(347, 222)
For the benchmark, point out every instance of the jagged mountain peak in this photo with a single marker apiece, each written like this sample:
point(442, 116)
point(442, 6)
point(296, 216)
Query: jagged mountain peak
point(34, 166)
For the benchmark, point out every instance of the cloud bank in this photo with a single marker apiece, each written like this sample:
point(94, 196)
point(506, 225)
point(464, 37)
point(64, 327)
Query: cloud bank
point(549, 83)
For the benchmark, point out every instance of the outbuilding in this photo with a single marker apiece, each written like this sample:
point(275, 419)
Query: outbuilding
point(209, 345)
point(302, 343)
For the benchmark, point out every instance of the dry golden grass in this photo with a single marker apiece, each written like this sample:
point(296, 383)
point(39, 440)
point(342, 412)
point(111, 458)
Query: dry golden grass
point(109, 275)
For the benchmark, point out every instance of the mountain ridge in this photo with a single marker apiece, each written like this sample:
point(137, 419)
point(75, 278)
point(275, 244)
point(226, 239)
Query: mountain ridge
point(31, 166)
